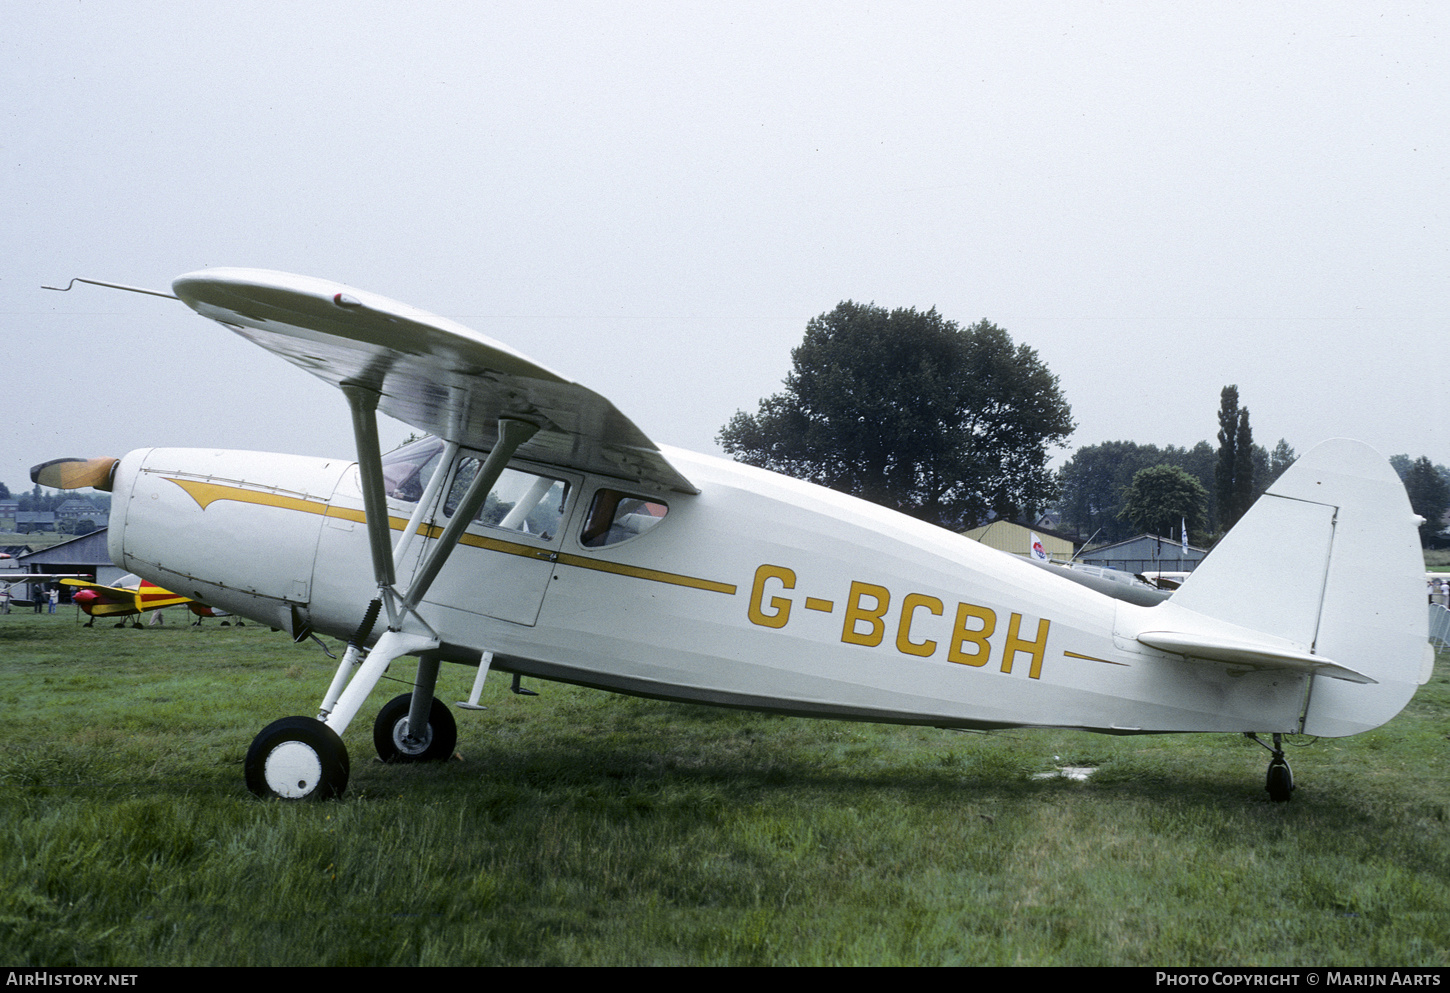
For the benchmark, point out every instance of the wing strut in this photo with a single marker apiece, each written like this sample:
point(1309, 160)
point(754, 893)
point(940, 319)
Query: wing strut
point(364, 405)
point(341, 705)
point(511, 434)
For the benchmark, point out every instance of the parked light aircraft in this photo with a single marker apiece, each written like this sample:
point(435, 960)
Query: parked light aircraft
point(129, 597)
point(538, 531)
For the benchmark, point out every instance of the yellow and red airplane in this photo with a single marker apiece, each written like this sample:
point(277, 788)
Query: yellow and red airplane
point(130, 596)
point(539, 531)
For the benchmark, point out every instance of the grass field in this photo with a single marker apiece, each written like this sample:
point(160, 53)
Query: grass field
point(586, 828)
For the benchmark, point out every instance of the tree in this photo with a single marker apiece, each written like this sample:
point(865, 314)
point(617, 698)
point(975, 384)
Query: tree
point(1403, 463)
point(1239, 461)
point(1095, 480)
point(912, 411)
point(1246, 459)
point(1228, 429)
point(1162, 497)
point(1279, 460)
point(1429, 496)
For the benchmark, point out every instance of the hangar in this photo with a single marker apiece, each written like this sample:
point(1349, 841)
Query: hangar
point(1145, 553)
point(1017, 539)
point(86, 554)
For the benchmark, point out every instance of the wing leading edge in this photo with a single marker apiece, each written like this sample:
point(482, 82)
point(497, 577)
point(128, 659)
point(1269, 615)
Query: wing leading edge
point(429, 372)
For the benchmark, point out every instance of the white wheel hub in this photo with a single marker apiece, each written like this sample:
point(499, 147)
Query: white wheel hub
point(293, 770)
point(415, 744)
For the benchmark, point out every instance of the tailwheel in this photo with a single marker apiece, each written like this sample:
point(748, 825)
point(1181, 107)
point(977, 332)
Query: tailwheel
point(1279, 781)
point(396, 742)
point(297, 758)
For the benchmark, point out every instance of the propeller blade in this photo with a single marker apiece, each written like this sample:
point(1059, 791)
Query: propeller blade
point(72, 474)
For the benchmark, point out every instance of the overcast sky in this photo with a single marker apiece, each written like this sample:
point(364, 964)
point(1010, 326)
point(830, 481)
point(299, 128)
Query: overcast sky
point(654, 199)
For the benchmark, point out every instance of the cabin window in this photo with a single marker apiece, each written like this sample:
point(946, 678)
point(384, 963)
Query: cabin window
point(615, 517)
point(520, 501)
point(406, 470)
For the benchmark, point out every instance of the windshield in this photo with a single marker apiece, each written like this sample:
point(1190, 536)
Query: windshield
point(406, 470)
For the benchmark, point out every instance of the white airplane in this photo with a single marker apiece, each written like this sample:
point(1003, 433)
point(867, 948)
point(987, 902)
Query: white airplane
point(538, 531)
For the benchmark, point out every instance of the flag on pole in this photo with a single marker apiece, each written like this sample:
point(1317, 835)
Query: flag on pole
point(1183, 530)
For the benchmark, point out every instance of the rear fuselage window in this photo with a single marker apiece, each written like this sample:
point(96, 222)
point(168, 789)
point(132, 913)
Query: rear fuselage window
point(615, 517)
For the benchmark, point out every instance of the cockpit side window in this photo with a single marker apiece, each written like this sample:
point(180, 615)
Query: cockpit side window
point(520, 501)
point(615, 516)
point(406, 470)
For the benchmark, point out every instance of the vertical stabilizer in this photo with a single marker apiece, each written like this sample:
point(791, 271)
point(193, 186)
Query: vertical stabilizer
point(1329, 558)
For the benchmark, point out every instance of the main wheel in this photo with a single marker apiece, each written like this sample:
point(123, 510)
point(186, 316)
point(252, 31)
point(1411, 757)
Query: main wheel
point(1279, 781)
point(297, 758)
point(395, 744)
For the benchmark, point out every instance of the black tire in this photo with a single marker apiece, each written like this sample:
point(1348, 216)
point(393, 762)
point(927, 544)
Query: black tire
point(1279, 781)
point(297, 758)
point(438, 739)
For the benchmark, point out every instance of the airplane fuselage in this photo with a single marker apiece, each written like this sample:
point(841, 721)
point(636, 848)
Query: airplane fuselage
point(759, 591)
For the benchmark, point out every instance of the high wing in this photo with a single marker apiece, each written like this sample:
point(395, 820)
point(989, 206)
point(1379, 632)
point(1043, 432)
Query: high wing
point(428, 372)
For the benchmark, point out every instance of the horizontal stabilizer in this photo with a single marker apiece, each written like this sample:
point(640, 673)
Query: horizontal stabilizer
point(1255, 655)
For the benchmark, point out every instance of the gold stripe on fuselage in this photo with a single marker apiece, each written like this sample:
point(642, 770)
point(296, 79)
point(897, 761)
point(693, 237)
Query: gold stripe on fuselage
point(206, 493)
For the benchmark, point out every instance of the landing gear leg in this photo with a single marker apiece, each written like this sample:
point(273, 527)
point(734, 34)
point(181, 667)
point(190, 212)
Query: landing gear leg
point(417, 726)
point(396, 741)
point(302, 757)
